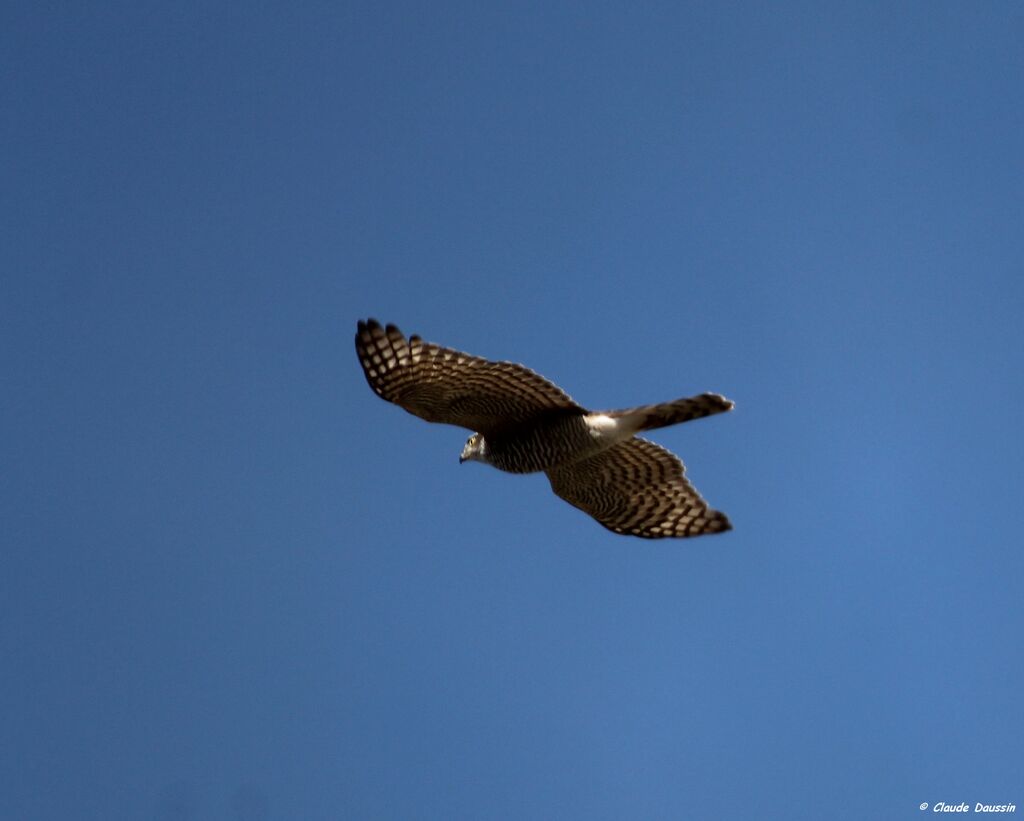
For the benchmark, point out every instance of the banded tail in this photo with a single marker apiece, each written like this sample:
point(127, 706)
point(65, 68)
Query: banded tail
point(649, 417)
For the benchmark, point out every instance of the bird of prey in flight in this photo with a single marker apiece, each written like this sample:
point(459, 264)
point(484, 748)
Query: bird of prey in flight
point(522, 423)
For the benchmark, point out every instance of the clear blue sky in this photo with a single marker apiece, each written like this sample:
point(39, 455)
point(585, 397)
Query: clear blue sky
point(237, 585)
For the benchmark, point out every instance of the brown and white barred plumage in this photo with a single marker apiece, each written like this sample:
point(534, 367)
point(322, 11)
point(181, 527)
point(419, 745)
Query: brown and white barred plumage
point(525, 424)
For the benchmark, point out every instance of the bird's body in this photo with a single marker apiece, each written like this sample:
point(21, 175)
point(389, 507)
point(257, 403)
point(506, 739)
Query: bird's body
point(523, 424)
point(547, 442)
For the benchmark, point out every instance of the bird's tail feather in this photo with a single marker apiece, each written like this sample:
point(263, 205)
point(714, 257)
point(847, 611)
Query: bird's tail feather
point(649, 417)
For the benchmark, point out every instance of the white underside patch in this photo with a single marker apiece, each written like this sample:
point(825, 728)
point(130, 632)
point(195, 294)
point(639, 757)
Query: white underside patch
point(603, 427)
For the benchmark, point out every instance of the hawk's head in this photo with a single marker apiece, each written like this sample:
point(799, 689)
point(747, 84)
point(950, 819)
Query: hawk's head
point(475, 450)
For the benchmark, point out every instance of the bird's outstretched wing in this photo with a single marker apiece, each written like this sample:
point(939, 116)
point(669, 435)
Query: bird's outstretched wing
point(442, 385)
point(639, 489)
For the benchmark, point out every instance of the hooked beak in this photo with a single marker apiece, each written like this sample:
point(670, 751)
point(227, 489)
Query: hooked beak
point(462, 459)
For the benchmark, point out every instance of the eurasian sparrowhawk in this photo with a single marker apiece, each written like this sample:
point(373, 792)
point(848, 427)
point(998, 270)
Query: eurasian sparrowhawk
point(523, 423)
